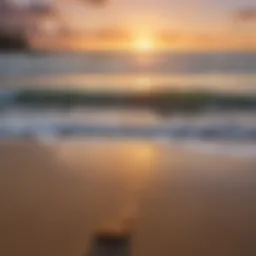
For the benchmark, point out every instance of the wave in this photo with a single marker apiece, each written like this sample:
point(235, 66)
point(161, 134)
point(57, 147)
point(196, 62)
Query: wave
point(215, 138)
point(217, 132)
point(163, 101)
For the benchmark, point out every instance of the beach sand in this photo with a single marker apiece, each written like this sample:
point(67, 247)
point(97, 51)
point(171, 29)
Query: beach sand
point(175, 201)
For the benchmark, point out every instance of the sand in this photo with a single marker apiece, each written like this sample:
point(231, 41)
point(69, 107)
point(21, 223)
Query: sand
point(175, 201)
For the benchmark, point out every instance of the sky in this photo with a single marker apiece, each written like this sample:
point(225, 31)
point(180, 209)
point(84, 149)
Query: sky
point(171, 14)
point(187, 14)
point(201, 17)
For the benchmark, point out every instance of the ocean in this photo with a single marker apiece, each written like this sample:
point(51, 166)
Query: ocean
point(215, 131)
point(129, 71)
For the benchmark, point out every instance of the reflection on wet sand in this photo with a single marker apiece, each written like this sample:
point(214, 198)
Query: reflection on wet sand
point(175, 201)
point(127, 167)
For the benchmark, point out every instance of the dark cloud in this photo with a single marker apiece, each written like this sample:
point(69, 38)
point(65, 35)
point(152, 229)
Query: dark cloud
point(33, 7)
point(95, 2)
point(246, 14)
point(41, 8)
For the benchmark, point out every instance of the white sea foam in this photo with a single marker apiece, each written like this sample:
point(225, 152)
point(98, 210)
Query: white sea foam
point(219, 137)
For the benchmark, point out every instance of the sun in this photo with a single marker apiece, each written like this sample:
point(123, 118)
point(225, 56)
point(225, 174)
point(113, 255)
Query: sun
point(144, 44)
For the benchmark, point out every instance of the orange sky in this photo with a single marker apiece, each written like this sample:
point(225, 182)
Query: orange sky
point(172, 24)
point(175, 41)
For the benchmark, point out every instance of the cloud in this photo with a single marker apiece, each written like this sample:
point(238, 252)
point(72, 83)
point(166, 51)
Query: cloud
point(41, 8)
point(246, 14)
point(95, 2)
point(44, 5)
point(27, 6)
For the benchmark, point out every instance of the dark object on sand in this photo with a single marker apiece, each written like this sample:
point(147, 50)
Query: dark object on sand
point(111, 244)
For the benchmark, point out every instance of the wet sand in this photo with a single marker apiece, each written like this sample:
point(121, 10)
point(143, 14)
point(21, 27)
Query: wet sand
point(176, 201)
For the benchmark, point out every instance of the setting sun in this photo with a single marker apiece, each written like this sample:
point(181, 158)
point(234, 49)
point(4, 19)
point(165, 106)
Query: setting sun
point(144, 44)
